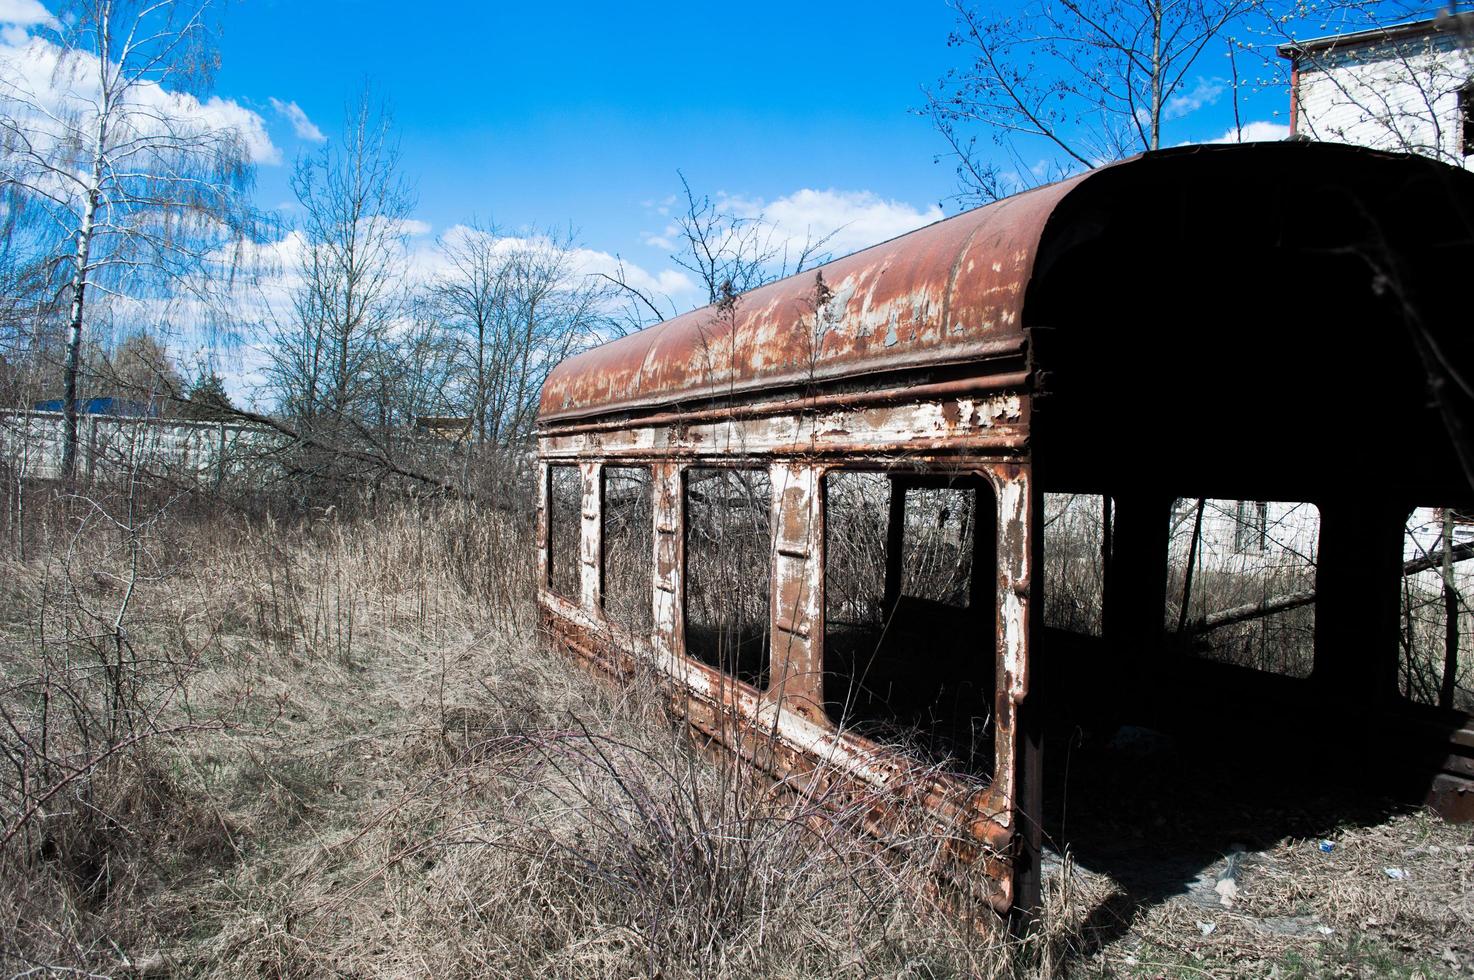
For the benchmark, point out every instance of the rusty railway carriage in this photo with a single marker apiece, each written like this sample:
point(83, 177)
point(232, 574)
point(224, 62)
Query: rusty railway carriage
point(1257, 322)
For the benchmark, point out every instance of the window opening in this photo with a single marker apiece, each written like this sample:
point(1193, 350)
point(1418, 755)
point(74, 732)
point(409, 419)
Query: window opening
point(1437, 635)
point(728, 570)
point(909, 608)
point(1241, 582)
point(629, 546)
point(936, 563)
point(565, 514)
point(1076, 537)
point(1251, 526)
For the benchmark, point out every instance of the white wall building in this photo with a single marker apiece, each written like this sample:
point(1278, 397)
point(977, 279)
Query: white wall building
point(1407, 87)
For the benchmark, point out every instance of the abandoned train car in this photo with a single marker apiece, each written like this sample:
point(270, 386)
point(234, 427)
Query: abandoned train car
point(814, 511)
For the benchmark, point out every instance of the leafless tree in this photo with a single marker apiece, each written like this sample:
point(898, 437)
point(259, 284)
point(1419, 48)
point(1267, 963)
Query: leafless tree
point(350, 287)
point(1067, 85)
point(28, 319)
point(471, 296)
point(136, 189)
point(516, 305)
point(418, 366)
point(140, 369)
point(728, 251)
point(553, 309)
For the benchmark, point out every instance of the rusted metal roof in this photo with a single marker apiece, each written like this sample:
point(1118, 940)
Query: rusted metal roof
point(950, 293)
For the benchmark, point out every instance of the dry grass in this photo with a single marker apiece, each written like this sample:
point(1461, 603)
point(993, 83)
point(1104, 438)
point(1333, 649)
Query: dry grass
point(382, 770)
point(360, 759)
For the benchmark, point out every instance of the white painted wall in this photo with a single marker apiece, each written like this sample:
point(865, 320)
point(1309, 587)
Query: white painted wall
point(1400, 95)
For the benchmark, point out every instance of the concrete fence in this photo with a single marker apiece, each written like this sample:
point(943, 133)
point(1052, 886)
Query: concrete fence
point(31, 446)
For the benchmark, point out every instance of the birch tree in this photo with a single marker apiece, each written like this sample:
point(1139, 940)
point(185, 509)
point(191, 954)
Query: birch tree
point(138, 187)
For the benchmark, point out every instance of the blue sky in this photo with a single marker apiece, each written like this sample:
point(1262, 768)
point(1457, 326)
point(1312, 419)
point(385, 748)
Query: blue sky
point(581, 112)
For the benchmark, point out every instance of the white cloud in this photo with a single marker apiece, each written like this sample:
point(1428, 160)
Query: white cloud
point(24, 13)
point(304, 127)
point(664, 239)
point(853, 219)
point(36, 73)
point(1206, 92)
point(218, 113)
point(413, 227)
point(1255, 132)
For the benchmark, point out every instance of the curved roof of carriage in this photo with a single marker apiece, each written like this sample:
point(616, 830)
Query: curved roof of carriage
point(950, 293)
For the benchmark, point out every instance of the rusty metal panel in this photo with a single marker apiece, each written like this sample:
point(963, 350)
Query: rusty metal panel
point(797, 637)
point(541, 523)
point(1015, 502)
point(950, 293)
point(993, 421)
point(669, 536)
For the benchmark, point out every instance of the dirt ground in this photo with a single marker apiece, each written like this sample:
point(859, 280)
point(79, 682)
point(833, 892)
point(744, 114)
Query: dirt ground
point(1189, 867)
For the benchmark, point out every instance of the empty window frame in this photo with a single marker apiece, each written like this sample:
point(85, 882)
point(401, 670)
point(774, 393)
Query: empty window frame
point(1251, 526)
point(1436, 667)
point(936, 548)
point(629, 546)
point(728, 562)
point(1077, 534)
point(1232, 565)
point(909, 611)
point(565, 517)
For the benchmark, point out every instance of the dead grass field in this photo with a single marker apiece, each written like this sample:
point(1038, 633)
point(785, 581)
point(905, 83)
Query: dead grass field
point(336, 746)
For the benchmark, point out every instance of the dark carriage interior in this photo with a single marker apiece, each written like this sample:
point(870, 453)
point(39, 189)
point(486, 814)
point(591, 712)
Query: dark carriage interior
point(1246, 332)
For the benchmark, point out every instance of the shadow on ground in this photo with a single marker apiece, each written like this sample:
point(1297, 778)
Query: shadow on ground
point(1166, 816)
